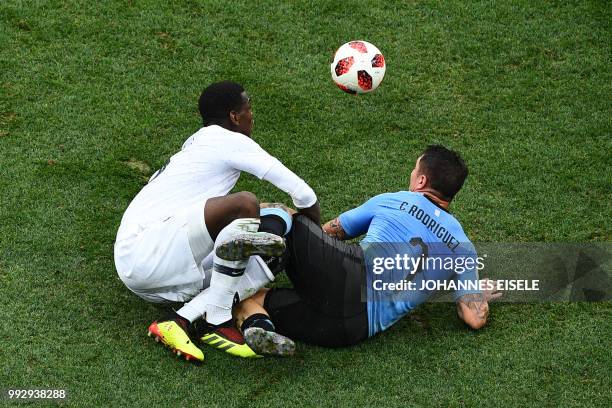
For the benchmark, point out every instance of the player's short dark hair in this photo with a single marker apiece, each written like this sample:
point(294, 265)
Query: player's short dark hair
point(445, 170)
point(218, 100)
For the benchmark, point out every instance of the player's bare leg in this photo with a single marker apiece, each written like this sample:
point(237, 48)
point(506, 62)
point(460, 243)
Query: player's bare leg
point(219, 212)
point(258, 330)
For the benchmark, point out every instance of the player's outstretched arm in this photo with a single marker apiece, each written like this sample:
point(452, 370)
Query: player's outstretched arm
point(355, 222)
point(334, 228)
point(255, 160)
point(473, 309)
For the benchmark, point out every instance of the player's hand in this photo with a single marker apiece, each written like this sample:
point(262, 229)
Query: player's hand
point(282, 206)
point(491, 291)
point(313, 212)
point(473, 308)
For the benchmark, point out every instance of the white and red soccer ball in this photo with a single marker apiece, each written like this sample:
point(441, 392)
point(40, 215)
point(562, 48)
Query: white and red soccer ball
point(358, 67)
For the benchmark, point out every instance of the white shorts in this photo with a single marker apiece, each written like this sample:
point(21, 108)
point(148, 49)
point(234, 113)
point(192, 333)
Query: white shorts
point(161, 261)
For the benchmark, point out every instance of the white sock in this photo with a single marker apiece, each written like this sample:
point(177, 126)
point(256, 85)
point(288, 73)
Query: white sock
point(226, 274)
point(216, 301)
point(195, 308)
point(256, 276)
point(223, 286)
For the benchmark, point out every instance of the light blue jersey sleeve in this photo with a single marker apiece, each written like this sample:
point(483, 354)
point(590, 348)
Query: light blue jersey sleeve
point(356, 222)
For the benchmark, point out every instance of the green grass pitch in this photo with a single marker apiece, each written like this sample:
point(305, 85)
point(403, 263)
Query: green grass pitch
point(94, 96)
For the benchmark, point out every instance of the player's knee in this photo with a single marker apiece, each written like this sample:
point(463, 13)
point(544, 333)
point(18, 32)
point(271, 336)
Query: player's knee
point(247, 205)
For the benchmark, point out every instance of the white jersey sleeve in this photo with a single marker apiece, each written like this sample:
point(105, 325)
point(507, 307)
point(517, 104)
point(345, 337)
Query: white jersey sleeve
point(250, 157)
point(302, 194)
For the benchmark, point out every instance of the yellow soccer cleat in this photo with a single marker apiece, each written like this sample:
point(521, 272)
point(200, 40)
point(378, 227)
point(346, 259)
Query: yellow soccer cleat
point(173, 333)
point(227, 338)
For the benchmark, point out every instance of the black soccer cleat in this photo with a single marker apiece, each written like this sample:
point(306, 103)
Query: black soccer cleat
point(269, 343)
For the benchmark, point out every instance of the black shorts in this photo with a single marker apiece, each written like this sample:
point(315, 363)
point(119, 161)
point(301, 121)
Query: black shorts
point(327, 305)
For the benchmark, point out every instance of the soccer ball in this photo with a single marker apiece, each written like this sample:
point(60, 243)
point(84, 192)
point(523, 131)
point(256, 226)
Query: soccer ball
point(358, 67)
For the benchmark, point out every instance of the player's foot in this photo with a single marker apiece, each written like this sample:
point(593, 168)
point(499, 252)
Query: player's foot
point(246, 244)
point(269, 343)
point(172, 332)
point(226, 337)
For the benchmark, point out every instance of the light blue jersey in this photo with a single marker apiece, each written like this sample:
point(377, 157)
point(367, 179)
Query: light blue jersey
point(409, 239)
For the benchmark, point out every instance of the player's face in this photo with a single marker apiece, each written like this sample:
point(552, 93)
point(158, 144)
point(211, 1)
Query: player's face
point(245, 116)
point(417, 179)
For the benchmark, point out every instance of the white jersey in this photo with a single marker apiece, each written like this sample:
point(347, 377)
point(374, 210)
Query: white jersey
point(209, 165)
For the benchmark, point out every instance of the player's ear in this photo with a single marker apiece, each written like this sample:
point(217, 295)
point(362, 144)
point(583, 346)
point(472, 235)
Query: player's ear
point(234, 118)
point(422, 181)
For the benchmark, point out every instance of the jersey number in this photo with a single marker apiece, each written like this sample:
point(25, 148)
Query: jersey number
point(417, 241)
